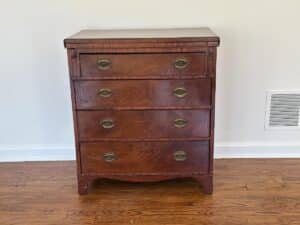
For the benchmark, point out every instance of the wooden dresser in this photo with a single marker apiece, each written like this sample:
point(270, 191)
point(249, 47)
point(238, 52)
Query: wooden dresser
point(143, 104)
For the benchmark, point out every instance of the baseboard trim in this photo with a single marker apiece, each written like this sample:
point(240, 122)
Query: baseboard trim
point(257, 150)
point(42, 153)
point(222, 151)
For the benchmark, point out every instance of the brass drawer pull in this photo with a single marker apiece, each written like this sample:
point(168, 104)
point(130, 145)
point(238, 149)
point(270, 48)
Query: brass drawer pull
point(180, 123)
point(180, 92)
point(105, 92)
point(109, 157)
point(103, 64)
point(180, 156)
point(180, 63)
point(107, 123)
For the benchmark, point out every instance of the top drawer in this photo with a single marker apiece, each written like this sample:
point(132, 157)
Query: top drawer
point(144, 65)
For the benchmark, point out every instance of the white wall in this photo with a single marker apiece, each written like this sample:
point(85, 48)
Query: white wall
point(259, 51)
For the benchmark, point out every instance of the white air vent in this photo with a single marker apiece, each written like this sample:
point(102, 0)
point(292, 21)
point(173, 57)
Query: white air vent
point(283, 110)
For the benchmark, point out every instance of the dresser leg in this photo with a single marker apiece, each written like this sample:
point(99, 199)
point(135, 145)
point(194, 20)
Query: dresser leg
point(206, 182)
point(83, 187)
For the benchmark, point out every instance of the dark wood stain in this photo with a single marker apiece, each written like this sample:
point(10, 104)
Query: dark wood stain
point(154, 158)
point(140, 74)
point(143, 94)
point(152, 64)
point(142, 124)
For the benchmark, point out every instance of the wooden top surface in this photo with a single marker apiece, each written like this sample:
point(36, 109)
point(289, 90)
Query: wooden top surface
point(128, 38)
point(144, 33)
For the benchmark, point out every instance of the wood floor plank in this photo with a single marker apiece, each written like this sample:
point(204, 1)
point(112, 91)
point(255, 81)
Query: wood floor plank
point(247, 191)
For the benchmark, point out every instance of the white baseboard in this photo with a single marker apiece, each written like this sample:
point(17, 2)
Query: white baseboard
point(257, 150)
point(34, 153)
point(222, 151)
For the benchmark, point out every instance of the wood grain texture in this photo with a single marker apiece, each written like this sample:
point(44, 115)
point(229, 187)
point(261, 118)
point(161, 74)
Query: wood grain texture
point(141, 40)
point(143, 94)
point(136, 34)
point(139, 70)
point(142, 124)
point(144, 65)
point(152, 158)
point(247, 192)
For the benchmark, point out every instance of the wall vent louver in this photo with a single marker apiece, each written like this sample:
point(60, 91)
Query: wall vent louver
point(283, 110)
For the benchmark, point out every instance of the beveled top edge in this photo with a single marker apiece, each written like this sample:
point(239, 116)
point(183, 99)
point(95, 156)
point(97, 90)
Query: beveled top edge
point(201, 32)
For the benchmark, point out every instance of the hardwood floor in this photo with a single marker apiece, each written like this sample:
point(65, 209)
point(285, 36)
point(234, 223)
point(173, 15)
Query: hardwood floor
point(247, 192)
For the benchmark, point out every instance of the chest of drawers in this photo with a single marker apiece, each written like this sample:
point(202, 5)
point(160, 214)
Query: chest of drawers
point(143, 104)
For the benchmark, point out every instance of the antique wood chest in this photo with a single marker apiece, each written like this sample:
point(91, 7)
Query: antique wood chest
point(143, 104)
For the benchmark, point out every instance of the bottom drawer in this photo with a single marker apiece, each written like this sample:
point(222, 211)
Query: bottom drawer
point(145, 157)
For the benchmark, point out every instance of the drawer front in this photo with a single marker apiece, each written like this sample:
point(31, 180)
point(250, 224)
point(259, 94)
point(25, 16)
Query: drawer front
point(151, 124)
point(139, 65)
point(142, 93)
point(145, 157)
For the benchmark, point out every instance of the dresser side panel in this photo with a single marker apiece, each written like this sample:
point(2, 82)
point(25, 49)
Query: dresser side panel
point(212, 74)
point(72, 61)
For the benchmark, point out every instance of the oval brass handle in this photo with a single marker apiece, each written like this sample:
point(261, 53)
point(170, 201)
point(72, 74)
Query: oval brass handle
point(107, 123)
point(103, 64)
point(180, 92)
point(105, 92)
point(180, 63)
point(180, 123)
point(109, 157)
point(180, 155)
